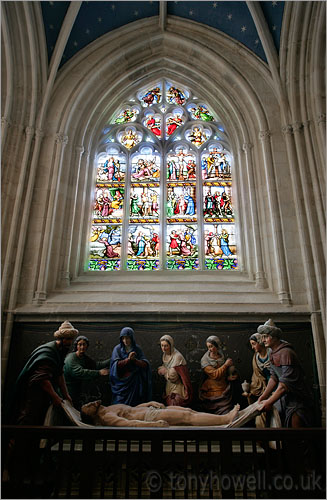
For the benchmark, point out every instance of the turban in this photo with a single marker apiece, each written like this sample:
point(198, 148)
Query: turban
point(65, 331)
point(269, 328)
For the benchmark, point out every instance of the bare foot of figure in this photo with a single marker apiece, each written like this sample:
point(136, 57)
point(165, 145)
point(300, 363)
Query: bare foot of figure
point(233, 414)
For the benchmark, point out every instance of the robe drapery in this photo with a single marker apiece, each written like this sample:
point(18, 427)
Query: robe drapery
point(31, 401)
point(79, 373)
point(217, 394)
point(286, 368)
point(131, 381)
point(178, 390)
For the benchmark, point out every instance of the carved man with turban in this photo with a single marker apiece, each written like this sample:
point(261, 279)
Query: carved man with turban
point(41, 381)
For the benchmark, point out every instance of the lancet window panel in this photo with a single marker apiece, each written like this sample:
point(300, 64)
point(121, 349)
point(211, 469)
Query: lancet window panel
point(163, 197)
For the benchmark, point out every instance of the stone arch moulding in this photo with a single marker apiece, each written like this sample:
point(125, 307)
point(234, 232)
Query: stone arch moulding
point(89, 89)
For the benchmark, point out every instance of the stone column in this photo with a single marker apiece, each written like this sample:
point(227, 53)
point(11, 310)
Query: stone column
point(309, 211)
point(81, 218)
point(245, 240)
point(66, 274)
point(320, 354)
point(260, 275)
point(276, 227)
point(321, 120)
point(5, 124)
point(318, 185)
point(60, 141)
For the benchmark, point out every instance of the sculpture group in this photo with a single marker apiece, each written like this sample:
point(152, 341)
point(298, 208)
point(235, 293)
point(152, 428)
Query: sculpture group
point(52, 374)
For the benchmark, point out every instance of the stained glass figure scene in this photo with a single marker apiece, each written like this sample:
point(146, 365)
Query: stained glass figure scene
point(127, 114)
point(143, 247)
point(129, 138)
point(151, 95)
point(166, 152)
point(198, 135)
point(217, 202)
point(174, 120)
point(113, 168)
point(145, 167)
point(176, 95)
point(215, 164)
point(181, 202)
point(181, 165)
point(153, 123)
point(200, 112)
point(144, 202)
point(220, 247)
point(182, 247)
point(105, 248)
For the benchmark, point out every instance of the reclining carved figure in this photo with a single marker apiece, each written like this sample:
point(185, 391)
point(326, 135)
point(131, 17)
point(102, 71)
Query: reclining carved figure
point(152, 414)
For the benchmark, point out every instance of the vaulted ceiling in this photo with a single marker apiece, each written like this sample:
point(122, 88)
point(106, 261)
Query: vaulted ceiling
point(95, 18)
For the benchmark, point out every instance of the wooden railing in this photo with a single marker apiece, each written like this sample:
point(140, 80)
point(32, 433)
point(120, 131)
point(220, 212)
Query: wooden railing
point(202, 462)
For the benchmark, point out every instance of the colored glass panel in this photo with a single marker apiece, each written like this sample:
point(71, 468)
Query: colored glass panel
point(182, 246)
point(145, 168)
point(175, 95)
point(127, 115)
point(181, 166)
point(153, 123)
point(198, 136)
point(112, 168)
point(129, 138)
point(105, 248)
point(109, 202)
point(200, 112)
point(220, 246)
point(217, 202)
point(151, 96)
point(143, 247)
point(215, 165)
point(144, 203)
point(181, 202)
point(174, 120)
point(163, 120)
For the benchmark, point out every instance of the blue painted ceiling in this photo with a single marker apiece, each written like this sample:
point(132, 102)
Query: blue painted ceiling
point(97, 18)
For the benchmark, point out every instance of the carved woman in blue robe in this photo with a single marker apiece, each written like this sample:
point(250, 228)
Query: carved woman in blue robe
point(130, 372)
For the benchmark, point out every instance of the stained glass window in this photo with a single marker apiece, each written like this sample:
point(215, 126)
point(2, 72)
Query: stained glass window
point(163, 197)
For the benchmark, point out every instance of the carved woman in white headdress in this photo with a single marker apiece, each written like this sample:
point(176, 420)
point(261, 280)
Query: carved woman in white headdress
point(178, 389)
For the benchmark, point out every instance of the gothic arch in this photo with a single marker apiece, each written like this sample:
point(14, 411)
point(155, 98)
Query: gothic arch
point(83, 101)
point(275, 119)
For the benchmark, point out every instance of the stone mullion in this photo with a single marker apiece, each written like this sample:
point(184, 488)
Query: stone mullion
point(260, 276)
point(163, 209)
point(199, 210)
point(276, 227)
point(126, 213)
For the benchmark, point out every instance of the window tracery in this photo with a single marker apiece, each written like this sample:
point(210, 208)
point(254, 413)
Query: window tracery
point(163, 197)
